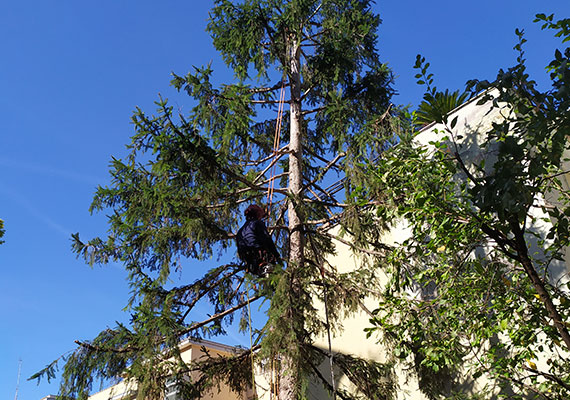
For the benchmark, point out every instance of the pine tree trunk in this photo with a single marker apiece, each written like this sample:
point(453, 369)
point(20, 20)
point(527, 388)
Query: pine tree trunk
point(289, 370)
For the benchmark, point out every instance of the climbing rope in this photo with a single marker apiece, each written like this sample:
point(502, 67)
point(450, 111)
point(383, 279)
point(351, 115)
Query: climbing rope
point(276, 143)
point(270, 190)
point(274, 384)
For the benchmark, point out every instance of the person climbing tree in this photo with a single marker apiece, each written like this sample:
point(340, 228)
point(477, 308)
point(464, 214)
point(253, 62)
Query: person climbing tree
point(172, 202)
point(255, 246)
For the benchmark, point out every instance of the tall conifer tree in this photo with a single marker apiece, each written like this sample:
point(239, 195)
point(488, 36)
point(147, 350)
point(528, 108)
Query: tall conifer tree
point(181, 192)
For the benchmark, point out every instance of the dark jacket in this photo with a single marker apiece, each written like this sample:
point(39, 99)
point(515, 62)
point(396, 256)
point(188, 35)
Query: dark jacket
point(253, 235)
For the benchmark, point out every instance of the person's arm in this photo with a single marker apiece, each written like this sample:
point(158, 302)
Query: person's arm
point(265, 238)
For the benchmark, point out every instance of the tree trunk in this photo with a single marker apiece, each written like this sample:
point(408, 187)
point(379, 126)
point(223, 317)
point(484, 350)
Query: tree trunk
point(289, 370)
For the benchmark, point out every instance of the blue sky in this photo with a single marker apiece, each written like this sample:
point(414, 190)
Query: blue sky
point(71, 72)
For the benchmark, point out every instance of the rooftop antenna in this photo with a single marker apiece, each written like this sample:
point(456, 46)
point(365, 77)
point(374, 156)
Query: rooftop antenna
point(18, 381)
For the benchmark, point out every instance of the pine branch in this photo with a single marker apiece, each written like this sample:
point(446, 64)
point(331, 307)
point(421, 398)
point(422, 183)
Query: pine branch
point(203, 291)
point(326, 203)
point(318, 198)
point(100, 349)
point(354, 247)
point(281, 151)
point(312, 111)
point(180, 333)
point(222, 314)
point(267, 181)
point(310, 17)
point(270, 101)
point(337, 186)
point(312, 38)
point(240, 201)
point(225, 170)
point(271, 164)
point(363, 306)
point(270, 32)
point(324, 170)
point(333, 218)
point(266, 89)
point(305, 93)
point(317, 156)
point(199, 283)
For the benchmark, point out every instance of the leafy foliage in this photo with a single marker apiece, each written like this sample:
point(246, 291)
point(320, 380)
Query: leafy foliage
point(435, 105)
point(475, 289)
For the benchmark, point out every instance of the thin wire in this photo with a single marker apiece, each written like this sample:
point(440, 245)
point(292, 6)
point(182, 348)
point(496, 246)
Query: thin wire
point(272, 384)
point(333, 383)
point(325, 295)
point(251, 342)
point(274, 392)
point(18, 381)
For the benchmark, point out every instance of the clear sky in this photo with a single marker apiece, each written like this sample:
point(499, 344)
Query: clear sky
point(71, 72)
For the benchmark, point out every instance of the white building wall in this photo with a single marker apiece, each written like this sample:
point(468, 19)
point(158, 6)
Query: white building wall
point(473, 120)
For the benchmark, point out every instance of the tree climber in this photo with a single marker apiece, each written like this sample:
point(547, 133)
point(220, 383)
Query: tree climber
point(255, 247)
